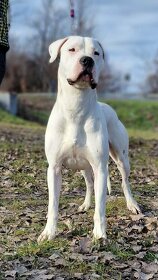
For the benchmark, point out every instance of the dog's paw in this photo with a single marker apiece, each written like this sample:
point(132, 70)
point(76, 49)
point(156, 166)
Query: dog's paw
point(133, 207)
point(47, 234)
point(99, 233)
point(84, 207)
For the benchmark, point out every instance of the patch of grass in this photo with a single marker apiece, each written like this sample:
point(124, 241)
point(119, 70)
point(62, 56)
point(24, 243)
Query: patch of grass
point(2, 202)
point(7, 118)
point(44, 249)
point(64, 200)
point(36, 202)
point(8, 146)
point(151, 257)
point(77, 182)
point(116, 206)
point(16, 205)
point(148, 241)
point(21, 178)
point(79, 267)
point(40, 116)
point(23, 190)
point(147, 134)
point(122, 253)
point(80, 231)
point(9, 219)
point(136, 114)
point(103, 271)
point(20, 232)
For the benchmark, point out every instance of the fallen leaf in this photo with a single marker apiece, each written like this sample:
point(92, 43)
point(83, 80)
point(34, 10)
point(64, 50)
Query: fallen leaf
point(11, 273)
point(78, 275)
point(44, 277)
point(54, 256)
point(136, 248)
point(140, 255)
point(60, 262)
point(149, 267)
point(69, 223)
point(154, 248)
point(95, 276)
point(85, 244)
point(76, 256)
point(137, 217)
point(108, 256)
point(144, 276)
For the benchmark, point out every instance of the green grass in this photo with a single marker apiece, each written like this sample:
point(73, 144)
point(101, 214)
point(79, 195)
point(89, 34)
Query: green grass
point(150, 256)
point(7, 118)
point(136, 114)
point(145, 134)
point(45, 248)
point(139, 117)
point(38, 116)
point(116, 206)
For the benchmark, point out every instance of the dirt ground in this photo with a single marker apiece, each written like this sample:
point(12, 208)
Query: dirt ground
point(131, 251)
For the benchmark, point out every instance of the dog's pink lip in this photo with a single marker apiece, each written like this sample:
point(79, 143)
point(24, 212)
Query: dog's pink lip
point(86, 76)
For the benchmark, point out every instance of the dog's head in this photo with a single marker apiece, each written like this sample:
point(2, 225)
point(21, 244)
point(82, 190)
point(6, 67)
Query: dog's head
point(81, 60)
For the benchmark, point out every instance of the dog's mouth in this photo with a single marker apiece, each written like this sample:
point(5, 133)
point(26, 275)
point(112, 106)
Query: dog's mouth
point(85, 76)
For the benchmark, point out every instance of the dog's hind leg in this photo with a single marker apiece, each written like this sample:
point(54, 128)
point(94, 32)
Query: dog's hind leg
point(122, 161)
point(89, 179)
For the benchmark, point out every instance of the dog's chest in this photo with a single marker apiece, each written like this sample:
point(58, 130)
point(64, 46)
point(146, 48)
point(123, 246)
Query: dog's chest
point(74, 148)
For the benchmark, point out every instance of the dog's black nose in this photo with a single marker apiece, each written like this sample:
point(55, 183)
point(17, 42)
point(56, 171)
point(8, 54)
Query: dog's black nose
point(87, 61)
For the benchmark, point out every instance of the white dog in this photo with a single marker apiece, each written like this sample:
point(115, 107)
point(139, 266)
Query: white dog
point(82, 132)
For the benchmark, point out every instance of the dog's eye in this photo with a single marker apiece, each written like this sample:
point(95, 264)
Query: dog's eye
point(96, 53)
point(72, 50)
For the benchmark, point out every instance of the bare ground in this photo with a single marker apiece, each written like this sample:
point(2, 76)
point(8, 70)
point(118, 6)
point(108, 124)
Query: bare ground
point(131, 251)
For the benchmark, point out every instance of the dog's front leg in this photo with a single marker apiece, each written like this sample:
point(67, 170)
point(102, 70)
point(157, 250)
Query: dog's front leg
point(100, 189)
point(54, 186)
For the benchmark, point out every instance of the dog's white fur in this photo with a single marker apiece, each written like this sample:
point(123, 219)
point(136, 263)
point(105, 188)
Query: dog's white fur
point(81, 133)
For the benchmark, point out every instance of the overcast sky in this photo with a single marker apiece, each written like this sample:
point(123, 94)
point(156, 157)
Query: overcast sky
point(128, 30)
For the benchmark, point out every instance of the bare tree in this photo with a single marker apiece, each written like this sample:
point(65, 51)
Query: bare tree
point(151, 81)
point(85, 18)
point(111, 81)
point(22, 74)
point(47, 26)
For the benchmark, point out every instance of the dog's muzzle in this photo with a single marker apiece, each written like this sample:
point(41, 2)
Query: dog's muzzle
point(86, 75)
point(87, 62)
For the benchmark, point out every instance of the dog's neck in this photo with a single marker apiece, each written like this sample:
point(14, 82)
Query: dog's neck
point(75, 103)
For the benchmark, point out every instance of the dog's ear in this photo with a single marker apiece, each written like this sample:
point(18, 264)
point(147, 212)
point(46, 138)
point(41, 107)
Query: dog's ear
point(102, 50)
point(54, 49)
